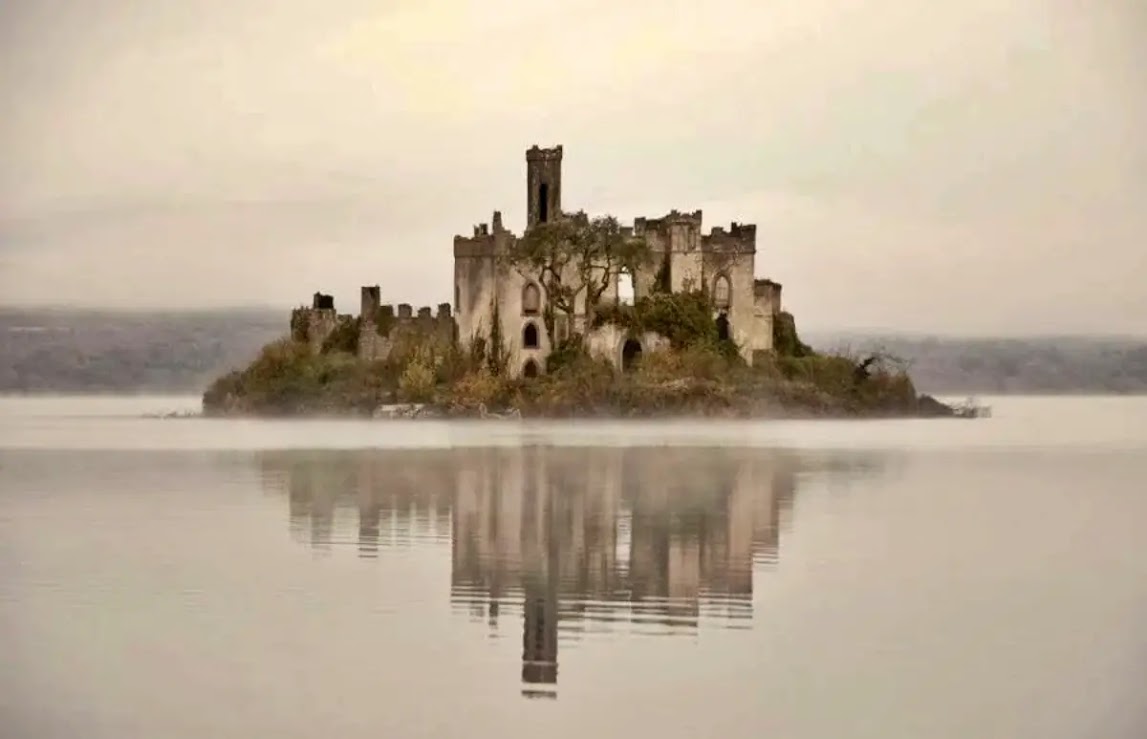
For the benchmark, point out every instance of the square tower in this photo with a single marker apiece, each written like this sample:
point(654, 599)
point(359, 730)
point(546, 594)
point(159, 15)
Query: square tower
point(543, 185)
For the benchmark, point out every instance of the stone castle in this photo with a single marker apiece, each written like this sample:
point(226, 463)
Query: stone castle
point(489, 290)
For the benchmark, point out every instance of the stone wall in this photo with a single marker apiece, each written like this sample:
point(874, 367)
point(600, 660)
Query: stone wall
point(314, 324)
point(384, 329)
point(766, 305)
point(608, 342)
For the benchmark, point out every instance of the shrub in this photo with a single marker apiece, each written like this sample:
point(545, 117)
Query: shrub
point(786, 342)
point(568, 352)
point(685, 318)
point(299, 324)
point(480, 387)
point(344, 338)
point(417, 383)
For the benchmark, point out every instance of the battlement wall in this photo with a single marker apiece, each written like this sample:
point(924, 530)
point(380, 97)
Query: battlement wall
point(643, 225)
point(484, 240)
point(315, 325)
point(387, 328)
point(739, 238)
point(537, 154)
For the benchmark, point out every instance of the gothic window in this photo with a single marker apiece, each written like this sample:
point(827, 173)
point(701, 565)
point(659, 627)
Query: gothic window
point(625, 289)
point(531, 299)
point(530, 336)
point(721, 292)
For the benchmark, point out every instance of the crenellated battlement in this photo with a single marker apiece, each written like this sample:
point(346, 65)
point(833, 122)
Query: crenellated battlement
point(674, 217)
point(538, 154)
point(389, 326)
point(474, 246)
point(484, 240)
point(740, 238)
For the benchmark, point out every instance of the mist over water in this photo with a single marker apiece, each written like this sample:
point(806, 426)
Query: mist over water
point(192, 577)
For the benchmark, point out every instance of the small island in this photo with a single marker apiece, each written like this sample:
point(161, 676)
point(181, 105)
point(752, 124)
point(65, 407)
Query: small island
point(577, 317)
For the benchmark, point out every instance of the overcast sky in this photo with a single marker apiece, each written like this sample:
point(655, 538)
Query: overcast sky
point(963, 167)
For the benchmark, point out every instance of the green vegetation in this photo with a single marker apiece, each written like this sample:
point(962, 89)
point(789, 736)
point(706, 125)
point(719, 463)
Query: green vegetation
point(699, 374)
point(344, 338)
point(575, 260)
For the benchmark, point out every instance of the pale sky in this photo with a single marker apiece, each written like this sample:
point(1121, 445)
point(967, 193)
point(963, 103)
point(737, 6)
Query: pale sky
point(964, 167)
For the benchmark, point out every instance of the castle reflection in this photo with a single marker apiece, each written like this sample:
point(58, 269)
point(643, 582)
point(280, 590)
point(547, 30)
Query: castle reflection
point(660, 540)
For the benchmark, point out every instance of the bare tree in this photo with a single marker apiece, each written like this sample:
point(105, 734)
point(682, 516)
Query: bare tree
point(576, 259)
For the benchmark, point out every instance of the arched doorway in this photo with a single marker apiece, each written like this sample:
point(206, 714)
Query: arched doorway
point(723, 326)
point(630, 353)
point(530, 369)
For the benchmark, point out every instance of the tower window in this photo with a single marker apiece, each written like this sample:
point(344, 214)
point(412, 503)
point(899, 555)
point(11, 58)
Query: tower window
point(530, 336)
point(543, 202)
point(721, 292)
point(531, 299)
point(625, 289)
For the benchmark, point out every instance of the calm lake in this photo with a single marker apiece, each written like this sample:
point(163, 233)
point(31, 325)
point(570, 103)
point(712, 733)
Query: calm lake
point(215, 578)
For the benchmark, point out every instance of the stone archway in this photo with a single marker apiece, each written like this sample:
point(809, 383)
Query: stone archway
point(630, 353)
point(530, 369)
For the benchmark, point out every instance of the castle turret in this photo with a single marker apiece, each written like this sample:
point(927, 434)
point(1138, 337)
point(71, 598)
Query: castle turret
point(543, 185)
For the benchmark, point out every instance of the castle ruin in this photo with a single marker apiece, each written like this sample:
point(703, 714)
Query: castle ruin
point(488, 290)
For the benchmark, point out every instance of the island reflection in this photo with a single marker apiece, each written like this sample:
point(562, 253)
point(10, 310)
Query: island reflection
point(657, 540)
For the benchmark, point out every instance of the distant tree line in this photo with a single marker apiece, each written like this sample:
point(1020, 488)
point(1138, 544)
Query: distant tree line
point(1036, 365)
point(69, 351)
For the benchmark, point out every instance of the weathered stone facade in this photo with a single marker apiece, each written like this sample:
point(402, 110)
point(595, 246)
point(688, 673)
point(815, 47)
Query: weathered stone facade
point(380, 328)
point(494, 299)
point(486, 289)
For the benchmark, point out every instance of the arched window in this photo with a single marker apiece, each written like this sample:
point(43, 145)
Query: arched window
point(530, 369)
point(531, 299)
point(530, 336)
point(625, 289)
point(721, 292)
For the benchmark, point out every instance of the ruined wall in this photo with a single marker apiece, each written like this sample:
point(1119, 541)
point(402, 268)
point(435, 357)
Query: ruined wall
point(314, 324)
point(675, 241)
point(608, 342)
point(384, 329)
point(729, 256)
point(485, 286)
point(766, 305)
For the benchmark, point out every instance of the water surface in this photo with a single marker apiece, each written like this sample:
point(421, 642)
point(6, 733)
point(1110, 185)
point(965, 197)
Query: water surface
point(194, 577)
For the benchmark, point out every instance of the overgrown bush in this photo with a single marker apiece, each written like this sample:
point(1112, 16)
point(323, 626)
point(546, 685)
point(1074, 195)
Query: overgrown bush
point(786, 342)
point(344, 338)
point(567, 352)
point(418, 380)
point(299, 325)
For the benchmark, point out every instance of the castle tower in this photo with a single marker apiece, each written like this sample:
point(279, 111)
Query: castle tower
point(543, 185)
